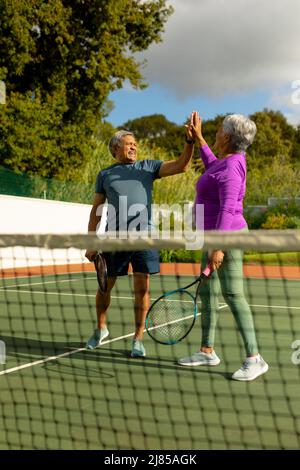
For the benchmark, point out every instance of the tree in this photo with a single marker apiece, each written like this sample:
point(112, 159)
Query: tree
point(60, 59)
point(296, 146)
point(150, 127)
point(158, 131)
point(274, 138)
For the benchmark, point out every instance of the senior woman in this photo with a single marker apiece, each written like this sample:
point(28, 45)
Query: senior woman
point(221, 190)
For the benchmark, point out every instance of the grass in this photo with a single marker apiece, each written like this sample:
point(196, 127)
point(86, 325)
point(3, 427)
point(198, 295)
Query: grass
point(290, 258)
point(186, 256)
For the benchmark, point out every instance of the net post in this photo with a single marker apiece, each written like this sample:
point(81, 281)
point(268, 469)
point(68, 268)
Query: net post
point(2, 352)
point(2, 92)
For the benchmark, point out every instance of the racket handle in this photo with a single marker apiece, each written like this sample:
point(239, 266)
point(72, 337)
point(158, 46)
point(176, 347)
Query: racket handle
point(207, 271)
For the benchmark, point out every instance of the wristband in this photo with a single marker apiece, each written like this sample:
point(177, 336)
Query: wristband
point(189, 141)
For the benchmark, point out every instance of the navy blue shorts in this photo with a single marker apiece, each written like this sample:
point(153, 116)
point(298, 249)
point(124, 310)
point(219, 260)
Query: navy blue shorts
point(144, 261)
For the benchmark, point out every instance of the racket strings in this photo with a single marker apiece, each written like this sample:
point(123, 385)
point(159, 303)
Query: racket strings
point(171, 318)
point(100, 265)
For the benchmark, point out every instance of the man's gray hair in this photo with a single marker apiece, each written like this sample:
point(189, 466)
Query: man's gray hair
point(241, 130)
point(117, 140)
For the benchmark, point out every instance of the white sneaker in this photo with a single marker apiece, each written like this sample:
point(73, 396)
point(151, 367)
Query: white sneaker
point(252, 368)
point(200, 359)
point(97, 337)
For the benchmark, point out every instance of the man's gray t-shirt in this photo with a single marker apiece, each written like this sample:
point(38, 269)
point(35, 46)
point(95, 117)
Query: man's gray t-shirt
point(128, 189)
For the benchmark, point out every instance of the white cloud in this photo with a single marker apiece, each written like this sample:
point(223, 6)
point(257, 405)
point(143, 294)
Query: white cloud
point(214, 47)
point(288, 100)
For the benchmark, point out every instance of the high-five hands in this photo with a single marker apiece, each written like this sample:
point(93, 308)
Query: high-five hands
point(189, 129)
point(194, 129)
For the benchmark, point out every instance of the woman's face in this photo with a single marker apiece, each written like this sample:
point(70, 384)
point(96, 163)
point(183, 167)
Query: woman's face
point(222, 141)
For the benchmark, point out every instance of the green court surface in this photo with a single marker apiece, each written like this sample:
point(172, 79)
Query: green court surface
point(103, 399)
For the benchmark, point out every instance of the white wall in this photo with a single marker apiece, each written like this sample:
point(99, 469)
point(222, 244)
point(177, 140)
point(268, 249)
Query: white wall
point(28, 215)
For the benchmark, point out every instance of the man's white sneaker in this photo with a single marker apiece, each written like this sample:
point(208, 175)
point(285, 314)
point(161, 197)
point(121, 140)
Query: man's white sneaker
point(200, 359)
point(97, 337)
point(252, 368)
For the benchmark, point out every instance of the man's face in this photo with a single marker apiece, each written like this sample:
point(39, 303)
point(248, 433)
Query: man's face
point(127, 151)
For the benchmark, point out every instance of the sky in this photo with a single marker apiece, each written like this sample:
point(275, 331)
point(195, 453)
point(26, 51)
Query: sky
point(217, 57)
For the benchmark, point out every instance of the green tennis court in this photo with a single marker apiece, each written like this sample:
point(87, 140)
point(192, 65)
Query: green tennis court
point(103, 399)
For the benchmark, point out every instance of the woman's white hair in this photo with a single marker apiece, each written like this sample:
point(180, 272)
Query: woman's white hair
point(117, 140)
point(241, 130)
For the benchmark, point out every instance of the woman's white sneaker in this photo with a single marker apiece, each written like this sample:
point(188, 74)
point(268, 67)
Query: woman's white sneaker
point(200, 359)
point(252, 368)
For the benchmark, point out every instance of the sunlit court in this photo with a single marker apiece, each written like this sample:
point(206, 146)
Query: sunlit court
point(55, 394)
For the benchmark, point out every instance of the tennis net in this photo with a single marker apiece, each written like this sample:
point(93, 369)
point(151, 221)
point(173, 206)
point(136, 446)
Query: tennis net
point(56, 394)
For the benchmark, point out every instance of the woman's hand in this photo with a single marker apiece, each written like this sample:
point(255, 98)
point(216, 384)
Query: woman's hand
point(189, 129)
point(196, 128)
point(216, 259)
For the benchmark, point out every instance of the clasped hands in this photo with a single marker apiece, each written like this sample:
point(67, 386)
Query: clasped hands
point(194, 128)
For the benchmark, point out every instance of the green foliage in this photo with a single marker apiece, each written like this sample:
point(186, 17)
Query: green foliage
point(282, 216)
point(20, 184)
point(275, 221)
point(275, 148)
point(149, 127)
point(180, 256)
point(279, 178)
point(273, 139)
point(295, 153)
point(289, 207)
point(176, 189)
point(60, 59)
point(99, 158)
point(158, 131)
point(33, 139)
point(255, 219)
point(281, 259)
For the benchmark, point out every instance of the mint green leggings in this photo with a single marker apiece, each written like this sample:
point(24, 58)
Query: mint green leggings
point(230, 276)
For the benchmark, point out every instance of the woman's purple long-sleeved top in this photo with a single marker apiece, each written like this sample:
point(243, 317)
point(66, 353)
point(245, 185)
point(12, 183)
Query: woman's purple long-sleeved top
point(221, 189)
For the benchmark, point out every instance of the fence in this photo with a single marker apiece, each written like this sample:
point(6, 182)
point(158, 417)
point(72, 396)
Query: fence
point(19, 184)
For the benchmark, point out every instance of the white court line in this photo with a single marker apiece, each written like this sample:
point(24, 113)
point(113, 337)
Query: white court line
point(274, 306)
point(46, 282)
point(57, 281)
point(72, 294)
point(68, 353)
point(47, 293)
point(54, 358)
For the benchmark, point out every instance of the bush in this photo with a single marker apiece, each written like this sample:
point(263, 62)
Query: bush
point(180, 256)
point(275, 221)
point(255, 219)
point(284, 215)
point(269, 181)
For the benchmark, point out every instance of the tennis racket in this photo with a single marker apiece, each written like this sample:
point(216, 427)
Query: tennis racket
point(101, 270)
point(172, 316)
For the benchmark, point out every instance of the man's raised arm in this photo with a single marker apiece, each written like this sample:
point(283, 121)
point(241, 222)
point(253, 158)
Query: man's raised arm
point(180, 166)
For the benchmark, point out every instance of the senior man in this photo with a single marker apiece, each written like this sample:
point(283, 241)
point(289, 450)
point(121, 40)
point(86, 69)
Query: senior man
point(129, 183)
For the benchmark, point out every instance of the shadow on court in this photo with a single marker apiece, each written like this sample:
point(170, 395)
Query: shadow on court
point(80, 363)
point(120, 357)
point(28, 347)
